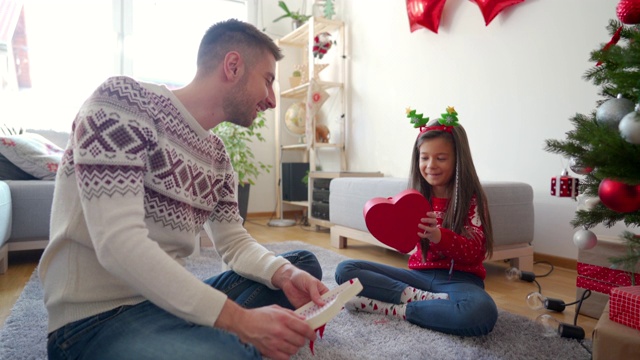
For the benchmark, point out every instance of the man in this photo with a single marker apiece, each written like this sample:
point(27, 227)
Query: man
point(141, 176)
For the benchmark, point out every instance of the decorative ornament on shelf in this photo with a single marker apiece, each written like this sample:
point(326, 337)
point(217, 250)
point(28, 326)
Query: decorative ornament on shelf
point(613, 110)
point(321, 44)
point(295, 119)
point(565, 185)
point(491, 8)
point(628, 11)
point(629, 127)
point(585, 239)
point(619, 196)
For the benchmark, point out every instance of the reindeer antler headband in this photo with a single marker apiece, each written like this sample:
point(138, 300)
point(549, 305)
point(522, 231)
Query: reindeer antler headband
point(447, 120)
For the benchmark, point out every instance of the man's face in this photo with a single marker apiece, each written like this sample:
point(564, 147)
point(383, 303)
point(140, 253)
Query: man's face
point(252, 93)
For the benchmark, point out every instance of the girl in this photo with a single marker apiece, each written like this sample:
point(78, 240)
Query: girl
point(443, 289)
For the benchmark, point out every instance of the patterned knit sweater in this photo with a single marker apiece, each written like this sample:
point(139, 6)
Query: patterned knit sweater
point(466, 253)
point(138, 180)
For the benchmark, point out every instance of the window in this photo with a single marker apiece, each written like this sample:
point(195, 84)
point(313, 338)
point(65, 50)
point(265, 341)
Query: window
point(73, 45)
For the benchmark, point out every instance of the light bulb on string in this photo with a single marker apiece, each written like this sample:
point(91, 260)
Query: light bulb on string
point(517, 274)
point(537, 301)
point(553, 327)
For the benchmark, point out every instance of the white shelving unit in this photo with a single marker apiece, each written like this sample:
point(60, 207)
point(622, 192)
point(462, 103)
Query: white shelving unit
point(301, 41)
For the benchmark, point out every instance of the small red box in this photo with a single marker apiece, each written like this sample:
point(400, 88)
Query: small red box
point(625, 306)
point(564, 186)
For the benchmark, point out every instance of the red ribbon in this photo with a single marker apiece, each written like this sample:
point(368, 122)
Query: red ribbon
point(320, 331)
point(614, 40)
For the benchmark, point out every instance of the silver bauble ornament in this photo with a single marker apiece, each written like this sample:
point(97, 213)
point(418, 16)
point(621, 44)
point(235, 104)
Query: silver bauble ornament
point(630, 127)
point(577, 167)
point(613, 110)
point(585, 239)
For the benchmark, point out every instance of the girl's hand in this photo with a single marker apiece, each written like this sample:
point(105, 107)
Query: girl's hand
point(429, 227)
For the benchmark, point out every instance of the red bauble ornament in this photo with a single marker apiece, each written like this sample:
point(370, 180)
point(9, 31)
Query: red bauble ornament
point(425, 14)
point(628, 11)
point(491, 8)
point(619, 196)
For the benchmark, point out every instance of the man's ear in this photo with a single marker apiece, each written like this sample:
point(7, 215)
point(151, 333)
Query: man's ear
point(233, 66)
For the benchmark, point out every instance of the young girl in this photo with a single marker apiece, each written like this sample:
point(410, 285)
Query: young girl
point(443, 289)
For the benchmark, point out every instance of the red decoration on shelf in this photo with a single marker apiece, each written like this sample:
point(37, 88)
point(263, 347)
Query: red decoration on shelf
point(394, 221)
point(425, 14)
point(491, 8)
point(628, 11)
point(619, 196)
point(564, 186)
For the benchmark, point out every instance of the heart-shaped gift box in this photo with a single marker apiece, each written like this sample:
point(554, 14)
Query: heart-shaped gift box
point(394, 220)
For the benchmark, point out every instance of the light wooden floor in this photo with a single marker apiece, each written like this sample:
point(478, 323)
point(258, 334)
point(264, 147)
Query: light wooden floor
point(508, 295)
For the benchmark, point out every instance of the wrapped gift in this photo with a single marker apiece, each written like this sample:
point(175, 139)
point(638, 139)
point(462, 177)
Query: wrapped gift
point(595, 274)
point(564, 186)
point(614, 341)
point(624, 306)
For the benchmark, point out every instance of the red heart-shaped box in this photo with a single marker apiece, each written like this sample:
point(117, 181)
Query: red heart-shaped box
point(394, 221)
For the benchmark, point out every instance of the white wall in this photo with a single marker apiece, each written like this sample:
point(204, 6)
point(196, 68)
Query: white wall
point(514, 84)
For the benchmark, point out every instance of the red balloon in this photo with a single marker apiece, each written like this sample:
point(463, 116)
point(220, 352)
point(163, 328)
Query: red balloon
point(619, 196)
point(425, 14)
point(491, 8)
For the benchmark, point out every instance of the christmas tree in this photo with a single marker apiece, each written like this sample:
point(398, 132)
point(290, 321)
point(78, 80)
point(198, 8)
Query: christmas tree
point(604, 147)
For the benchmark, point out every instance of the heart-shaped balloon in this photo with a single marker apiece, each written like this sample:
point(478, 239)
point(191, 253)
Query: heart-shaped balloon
point(425, 13)
point(491, 8)
point(394, 220)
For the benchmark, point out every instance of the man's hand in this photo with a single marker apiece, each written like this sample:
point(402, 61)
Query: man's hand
point(276, 332)
point(299, 286)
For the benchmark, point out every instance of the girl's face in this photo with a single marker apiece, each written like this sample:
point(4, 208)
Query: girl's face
point(437, 164)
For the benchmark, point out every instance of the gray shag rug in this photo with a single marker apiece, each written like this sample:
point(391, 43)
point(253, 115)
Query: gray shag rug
point(348, 336)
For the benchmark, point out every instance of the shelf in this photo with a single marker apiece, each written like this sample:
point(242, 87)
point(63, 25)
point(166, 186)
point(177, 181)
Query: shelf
point(300, 36)
point(301, 90)
point(296, 203)
point(294, 147)
point(338, 174)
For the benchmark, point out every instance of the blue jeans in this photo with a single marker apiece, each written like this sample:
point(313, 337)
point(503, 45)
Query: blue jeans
point(469, 311)
point(145, 331)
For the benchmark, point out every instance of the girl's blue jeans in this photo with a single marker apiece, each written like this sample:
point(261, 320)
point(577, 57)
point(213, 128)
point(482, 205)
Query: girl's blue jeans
point(469, 311)
point(145, 331)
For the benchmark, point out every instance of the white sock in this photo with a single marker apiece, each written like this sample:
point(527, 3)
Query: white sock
point(361, 303)
point(412, 294)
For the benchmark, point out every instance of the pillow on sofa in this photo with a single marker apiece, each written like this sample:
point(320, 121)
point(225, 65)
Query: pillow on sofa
point(9, 171)
point(32, 153)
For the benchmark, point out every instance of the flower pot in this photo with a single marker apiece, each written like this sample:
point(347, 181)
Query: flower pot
point(295, 81)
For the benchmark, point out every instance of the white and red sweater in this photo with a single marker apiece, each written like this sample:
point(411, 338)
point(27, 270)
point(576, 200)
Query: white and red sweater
point(466, 253)
point(138, 180)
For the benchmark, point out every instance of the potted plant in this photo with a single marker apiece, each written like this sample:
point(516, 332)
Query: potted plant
point(296, 78)
point(297, 18)
point(236, 139)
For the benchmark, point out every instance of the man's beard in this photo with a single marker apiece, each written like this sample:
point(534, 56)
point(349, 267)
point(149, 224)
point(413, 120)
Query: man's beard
point(236, 108)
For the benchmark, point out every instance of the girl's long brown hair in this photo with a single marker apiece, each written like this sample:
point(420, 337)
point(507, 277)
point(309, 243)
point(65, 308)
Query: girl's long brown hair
point(462, 187)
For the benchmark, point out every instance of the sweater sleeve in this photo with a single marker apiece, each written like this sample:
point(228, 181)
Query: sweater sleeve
point(110, 153)
point(464, 250)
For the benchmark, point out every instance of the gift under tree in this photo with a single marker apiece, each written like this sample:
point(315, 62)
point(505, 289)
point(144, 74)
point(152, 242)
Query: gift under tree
point(604, 147)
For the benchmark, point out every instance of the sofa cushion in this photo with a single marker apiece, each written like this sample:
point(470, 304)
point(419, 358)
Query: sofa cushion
point(32, 153)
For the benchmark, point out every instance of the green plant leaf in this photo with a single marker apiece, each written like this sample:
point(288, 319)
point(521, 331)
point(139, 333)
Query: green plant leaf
point(235, 139)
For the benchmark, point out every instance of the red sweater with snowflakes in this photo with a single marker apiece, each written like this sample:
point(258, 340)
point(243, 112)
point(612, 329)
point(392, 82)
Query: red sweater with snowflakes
point(466, 253)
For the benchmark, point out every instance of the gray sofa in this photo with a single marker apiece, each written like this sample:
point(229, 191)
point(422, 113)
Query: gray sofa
point(510, 206)
point(25, 210)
